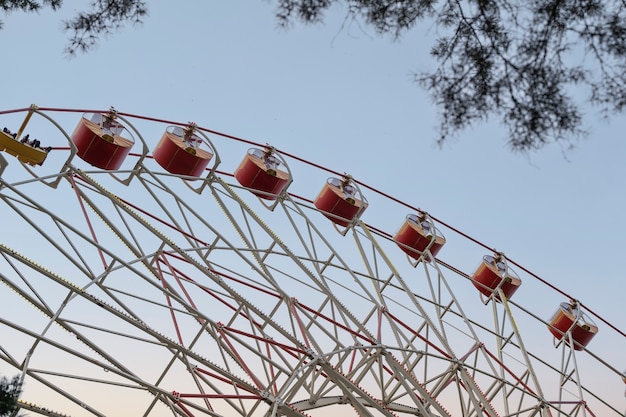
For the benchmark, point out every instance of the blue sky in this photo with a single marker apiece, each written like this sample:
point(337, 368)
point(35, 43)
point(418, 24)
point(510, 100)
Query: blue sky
point(340, 96)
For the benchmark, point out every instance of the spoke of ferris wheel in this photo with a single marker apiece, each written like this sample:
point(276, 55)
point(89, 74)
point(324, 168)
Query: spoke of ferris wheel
point(74, 331)
point(484, 404)
point(293, 257)
point(233, 222)
point(483, 399)
point(180, 252)
point(499, 332)
point(39, 374)
point(468, 384)
point(434, 308)
point(507, 313)
point(259, 313)
point(499, 328)
point(114, 369)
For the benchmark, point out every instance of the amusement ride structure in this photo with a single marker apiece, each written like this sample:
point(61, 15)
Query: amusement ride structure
point(139, 277)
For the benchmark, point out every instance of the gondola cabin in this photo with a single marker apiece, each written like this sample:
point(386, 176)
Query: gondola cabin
point(418, 234)
point(338, 202)
point(493, 272)
point(260, 172)
point(24, 152)
point(567, 320)
point(101, 141)
point(180, 153)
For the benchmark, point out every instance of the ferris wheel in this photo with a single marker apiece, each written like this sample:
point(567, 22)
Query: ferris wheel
point(140, 277)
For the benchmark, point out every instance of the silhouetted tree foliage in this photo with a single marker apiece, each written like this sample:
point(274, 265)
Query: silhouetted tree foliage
point(522, 62)
point(10, 391)
point(101, 18)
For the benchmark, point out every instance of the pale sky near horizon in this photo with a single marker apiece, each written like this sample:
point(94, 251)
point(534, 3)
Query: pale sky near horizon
point(338, 95)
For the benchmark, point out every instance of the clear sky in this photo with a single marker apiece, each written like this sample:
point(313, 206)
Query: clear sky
point(340, 96)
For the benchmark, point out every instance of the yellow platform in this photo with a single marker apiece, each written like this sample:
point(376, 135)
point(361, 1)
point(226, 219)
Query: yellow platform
point(23, 152)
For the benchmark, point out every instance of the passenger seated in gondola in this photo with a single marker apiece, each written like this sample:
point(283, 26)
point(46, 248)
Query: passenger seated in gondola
point(423, 222)
point(35, 143)
point(270, 162)
point(8, 132)
point(426, 228)
point(348, 190)
point(107, 125)
point(190, 140)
